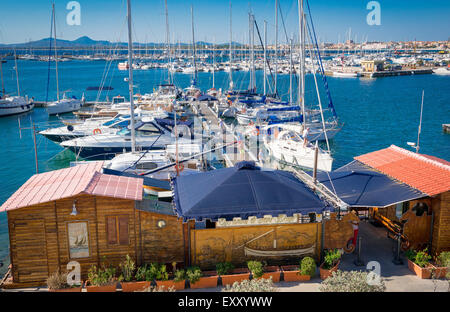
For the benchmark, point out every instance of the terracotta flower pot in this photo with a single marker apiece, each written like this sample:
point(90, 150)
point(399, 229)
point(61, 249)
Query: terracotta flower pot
point(291, 273)
point(135, 286)
point(71, 289)
point(237, 275)
point(440, 272)
point(324, 273)
point(171, 283)
point(106, 288)
point(208, 280)
point(272, 271)
point(423, 273)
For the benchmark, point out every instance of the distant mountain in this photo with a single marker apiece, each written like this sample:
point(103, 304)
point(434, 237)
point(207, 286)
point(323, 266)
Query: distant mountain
point(85, 41)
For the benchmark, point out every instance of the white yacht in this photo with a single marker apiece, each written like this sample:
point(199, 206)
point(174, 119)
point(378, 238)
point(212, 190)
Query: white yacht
point(66, 105)
point(13, 105)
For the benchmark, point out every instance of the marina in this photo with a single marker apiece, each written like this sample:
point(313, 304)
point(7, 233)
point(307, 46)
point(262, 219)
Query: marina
point(192, 155)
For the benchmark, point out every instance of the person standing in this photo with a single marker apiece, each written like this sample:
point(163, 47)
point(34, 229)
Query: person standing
point(305, 136)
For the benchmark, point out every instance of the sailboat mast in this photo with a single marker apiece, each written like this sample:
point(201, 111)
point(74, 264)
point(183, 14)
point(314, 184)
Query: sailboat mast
point(231, 49)
point(302, 58)
point(130, 78)
point(17, 73)
point(420, 124)
point(168, 44)
point(265, 55)
point(193, 43)
point(276, 44)
point(214, 61)
point(290, 72)
point(56, 53)
point(1, 76)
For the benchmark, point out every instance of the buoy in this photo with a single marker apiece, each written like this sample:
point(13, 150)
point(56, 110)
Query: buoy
point(97, 131)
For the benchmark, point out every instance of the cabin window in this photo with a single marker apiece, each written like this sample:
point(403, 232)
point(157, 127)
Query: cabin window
point(117, 230)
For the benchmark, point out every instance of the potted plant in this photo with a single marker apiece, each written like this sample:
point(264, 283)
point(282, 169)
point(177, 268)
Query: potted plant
point(302, 272)
point(160, 274)
point(330, 263)
point(229, 275)
point(260, 270)
point(198, 279)
point(132, 279)
point(419, 263)
point(57, 282)
point(442, 265)
point(101, 279)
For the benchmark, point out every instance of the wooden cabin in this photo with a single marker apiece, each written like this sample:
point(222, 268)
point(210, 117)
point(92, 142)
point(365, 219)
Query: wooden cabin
point(426, 220)
point(80, 214)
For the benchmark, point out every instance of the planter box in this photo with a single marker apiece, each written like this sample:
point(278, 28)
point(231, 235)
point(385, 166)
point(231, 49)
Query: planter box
point(208, 280)
point(291, 274)
point(71, 289)
point(324, 274)
point(440, 272)
point(423, 273)
point(272, 271)
point(237, 275)
point(171, 283)
point(135, 286)
point(107, 288)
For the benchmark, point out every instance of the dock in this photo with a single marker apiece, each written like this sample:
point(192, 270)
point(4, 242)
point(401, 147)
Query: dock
point(85, 104)
point(211, 123)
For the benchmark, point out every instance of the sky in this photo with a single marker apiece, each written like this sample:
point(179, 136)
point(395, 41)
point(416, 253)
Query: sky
point(334, 20)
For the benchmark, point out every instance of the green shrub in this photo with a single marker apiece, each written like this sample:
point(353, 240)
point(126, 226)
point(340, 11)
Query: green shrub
point(179, 275)
point(57, 281)
point(224, 268)
point(255, 285)
point(127, 267)
point(444, 259)
point(331, 258)
point(411, 255)
point(422, 258)
point(256, 267)
point(354, 281)
point(154, 271)
point(308, 266)
point(193, 274)
point(101, 276)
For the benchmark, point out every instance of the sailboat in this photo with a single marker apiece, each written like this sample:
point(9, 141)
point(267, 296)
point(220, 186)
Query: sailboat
point(12, 105)
point(66, 104)
point(289, 142)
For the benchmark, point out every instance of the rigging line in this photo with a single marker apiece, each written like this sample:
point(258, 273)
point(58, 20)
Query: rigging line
point(267, 60)
point(49, 57)
point(143, 154)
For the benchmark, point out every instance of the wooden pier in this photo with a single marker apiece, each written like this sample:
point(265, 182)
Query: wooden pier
point(212, 124)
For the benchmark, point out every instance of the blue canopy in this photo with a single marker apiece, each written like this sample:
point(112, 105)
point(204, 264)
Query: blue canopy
point(242, 191)
point(206, 97)
point(360, 186)
point(147, 181)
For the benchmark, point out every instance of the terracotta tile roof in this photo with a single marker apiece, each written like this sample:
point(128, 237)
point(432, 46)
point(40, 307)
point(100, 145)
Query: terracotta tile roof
point(81, 179)
point(428, 174)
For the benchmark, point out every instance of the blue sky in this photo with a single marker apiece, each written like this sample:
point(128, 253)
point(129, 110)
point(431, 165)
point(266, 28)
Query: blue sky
point(25, 20)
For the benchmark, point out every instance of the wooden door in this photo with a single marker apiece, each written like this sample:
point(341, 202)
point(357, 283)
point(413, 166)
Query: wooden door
point(30, 252)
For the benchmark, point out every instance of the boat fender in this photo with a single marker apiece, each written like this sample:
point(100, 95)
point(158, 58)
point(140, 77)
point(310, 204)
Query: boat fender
point(97, 131)
point(70, 128)
point(180, 167)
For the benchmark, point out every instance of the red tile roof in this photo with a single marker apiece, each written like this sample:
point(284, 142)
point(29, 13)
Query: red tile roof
point(68, 182)
point(428, 174)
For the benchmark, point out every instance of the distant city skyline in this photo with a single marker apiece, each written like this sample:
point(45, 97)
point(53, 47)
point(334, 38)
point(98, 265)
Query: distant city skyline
point(334, 20)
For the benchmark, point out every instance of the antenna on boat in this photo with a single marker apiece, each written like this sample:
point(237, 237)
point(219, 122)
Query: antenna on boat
point(419, 130)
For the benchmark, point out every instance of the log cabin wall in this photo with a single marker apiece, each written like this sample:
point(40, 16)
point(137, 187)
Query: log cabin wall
point(165, 244)
point(211, 246)
point(39, 242)
point(441, 223)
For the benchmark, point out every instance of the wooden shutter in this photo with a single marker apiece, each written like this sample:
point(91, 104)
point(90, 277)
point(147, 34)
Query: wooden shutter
point(123, 230)
point(111, 230)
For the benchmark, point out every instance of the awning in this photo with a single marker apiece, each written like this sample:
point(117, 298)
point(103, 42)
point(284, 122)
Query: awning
point(243, 191)
point(360, 186)
point(150, 182)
